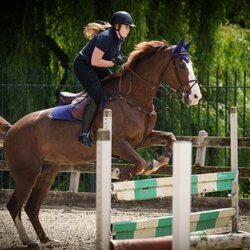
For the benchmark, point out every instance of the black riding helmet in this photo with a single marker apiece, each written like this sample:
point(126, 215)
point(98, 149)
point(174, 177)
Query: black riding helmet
point(122, 17)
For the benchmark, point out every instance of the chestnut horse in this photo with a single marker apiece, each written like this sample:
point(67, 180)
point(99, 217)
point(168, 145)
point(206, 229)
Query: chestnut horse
point(37, 138)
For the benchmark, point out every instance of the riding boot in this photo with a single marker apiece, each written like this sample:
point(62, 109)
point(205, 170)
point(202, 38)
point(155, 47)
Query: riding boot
point(85, 136)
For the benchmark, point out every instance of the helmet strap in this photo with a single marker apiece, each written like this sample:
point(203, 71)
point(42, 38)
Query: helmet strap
point(120, 34)
point(118, 30)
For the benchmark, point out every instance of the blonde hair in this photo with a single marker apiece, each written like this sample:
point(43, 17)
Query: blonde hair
point(92, 29)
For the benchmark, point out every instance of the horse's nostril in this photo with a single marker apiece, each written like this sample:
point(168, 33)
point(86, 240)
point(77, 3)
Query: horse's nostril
point(195, 96)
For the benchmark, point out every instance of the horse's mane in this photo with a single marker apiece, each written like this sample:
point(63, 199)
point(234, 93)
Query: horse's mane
point(140, 51)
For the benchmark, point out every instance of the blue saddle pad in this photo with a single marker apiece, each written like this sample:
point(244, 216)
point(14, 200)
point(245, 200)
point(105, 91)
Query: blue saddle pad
point(62, 113)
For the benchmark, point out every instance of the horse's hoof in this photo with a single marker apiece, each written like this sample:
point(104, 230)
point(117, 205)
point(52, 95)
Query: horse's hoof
point(115, 173)
point(30, 243)
point(148, 168)
point(51, 243)
point(34, 247)
point(152, 167)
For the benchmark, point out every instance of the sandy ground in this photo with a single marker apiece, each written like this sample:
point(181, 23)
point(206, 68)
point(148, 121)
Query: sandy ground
point(75, 228)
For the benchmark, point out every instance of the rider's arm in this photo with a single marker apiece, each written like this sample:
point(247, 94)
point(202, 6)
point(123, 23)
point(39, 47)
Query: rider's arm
point(98, 61)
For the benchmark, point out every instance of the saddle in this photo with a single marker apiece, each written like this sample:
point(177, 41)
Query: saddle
point(78, 102)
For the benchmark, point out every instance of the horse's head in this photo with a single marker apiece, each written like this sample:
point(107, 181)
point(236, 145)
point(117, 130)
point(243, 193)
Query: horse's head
point(180, 76)
point(155, 61)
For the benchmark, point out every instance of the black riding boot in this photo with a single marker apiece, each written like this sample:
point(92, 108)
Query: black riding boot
point(85, 136)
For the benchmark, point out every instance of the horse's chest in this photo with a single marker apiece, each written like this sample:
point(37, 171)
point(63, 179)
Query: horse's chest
point(142, 126)
point(132, 126)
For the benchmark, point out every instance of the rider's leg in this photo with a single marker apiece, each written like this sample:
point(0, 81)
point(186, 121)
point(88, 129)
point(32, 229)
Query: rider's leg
point(90, 111)
point(103, 73)
point(89, 77)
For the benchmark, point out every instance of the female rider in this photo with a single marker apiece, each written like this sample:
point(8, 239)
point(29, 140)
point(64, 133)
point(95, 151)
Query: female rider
point(92, 63)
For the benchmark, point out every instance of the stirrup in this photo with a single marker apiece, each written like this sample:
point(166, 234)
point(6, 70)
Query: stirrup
point(86, 138)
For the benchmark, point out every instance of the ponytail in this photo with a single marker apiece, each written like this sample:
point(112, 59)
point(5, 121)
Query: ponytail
point(92, 29)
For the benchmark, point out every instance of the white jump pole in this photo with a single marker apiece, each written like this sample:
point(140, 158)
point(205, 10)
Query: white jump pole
point(103, 183)
point(182, 158)
point(234, 166)
point(107, 120)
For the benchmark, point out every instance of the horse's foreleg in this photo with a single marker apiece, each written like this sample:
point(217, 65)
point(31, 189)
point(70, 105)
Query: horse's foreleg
point(39, 192)
point(159, 137)
point(125, 151)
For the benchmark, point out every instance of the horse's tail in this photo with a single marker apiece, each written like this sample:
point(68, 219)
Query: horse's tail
point(4, 127)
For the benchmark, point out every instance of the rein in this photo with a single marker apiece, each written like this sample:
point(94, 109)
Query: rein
point(146, 81)
point(123, 96)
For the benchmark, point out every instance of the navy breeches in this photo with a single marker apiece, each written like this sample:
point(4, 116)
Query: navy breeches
point(90, 77)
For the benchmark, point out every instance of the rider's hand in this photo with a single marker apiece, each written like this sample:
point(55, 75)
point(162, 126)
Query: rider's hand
point(118, 60)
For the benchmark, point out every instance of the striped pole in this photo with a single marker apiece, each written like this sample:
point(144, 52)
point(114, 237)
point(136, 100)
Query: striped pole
point(182, 158)
point(103, 183)
point(163, 187)
point(234, 167)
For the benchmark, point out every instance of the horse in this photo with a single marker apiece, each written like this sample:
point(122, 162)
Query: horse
point(37, 138)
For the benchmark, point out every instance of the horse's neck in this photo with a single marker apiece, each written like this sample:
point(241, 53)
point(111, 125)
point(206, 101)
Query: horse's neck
point(145, 80)
point(139, 84)
point(142, 90)
point(110, 86)
point(151, 68)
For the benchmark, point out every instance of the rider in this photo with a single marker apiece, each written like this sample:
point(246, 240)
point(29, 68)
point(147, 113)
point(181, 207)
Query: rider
point(92, 63)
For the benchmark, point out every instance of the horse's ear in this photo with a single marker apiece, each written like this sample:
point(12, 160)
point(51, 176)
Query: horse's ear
point(179, 46)
point(187, 45)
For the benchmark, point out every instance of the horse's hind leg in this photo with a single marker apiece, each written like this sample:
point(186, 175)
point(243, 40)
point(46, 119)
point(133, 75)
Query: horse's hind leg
point(39, 192)
point(15, 204)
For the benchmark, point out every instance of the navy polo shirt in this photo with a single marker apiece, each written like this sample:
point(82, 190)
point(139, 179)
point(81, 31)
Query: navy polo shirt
point(107, 41)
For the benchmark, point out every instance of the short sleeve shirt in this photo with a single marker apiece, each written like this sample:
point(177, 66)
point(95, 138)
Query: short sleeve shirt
point(107, 41)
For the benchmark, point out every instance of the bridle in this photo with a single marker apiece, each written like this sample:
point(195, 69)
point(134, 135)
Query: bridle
point(181, 92)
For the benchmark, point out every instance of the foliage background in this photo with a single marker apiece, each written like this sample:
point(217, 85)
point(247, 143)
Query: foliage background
point(37, 33)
